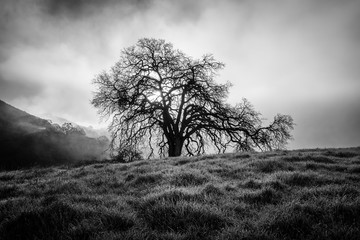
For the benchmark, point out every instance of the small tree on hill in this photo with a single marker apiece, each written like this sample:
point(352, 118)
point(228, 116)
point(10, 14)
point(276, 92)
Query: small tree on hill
point(69, 128)
point(158, 95)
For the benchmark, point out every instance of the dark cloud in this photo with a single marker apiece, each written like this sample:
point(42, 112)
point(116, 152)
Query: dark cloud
point(86, 8)
point(73, 8)
point(42, 22)
point(173, 11)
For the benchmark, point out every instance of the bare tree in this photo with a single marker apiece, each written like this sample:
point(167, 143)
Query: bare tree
point(157, 95)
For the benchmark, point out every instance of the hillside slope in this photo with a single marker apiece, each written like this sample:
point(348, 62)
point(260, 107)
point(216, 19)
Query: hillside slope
point(27, 141)
point(303, 194)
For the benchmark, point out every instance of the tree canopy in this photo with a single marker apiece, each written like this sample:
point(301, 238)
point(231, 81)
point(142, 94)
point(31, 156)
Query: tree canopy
point(158, 96)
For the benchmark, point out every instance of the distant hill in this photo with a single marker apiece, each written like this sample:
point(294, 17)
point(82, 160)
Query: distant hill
point(18, 121)
point(27, 140)
point(89, 130)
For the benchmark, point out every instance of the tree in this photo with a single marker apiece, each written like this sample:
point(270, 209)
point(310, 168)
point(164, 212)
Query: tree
point(127, 154)
point(69, 128)
point(157, 95)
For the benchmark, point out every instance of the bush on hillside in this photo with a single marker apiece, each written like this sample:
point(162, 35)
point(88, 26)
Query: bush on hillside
point(127, 155)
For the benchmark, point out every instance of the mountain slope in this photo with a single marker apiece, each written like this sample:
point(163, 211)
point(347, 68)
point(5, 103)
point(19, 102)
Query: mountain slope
point(16, 121)
point(303, 194)
point(27, 140)
point(89, 130)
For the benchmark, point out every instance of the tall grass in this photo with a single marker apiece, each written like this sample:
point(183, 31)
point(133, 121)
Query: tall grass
point(307, 194)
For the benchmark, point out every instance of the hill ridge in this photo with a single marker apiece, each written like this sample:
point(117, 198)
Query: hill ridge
point(27, 140)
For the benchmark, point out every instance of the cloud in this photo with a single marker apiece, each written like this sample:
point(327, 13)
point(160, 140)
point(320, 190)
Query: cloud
point(284, 56)
point(80, 9)
point(12, 88)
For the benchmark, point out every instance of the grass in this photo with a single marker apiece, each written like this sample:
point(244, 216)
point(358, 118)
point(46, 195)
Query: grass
point(303, 194)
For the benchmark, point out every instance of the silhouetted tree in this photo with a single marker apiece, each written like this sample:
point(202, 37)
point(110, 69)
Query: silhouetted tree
point(158, 95)
point(69, 128)
point(127, 154)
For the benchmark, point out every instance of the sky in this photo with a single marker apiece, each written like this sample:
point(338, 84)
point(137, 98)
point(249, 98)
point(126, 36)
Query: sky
point(296, 57)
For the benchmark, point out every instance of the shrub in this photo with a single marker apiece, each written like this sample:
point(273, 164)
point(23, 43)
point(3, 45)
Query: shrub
point(127, 155)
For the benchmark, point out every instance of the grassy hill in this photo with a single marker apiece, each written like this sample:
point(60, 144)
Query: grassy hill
point(303, 194)
point(27, 141)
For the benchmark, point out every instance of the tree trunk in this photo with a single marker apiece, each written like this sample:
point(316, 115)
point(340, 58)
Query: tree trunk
point(175, 147)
